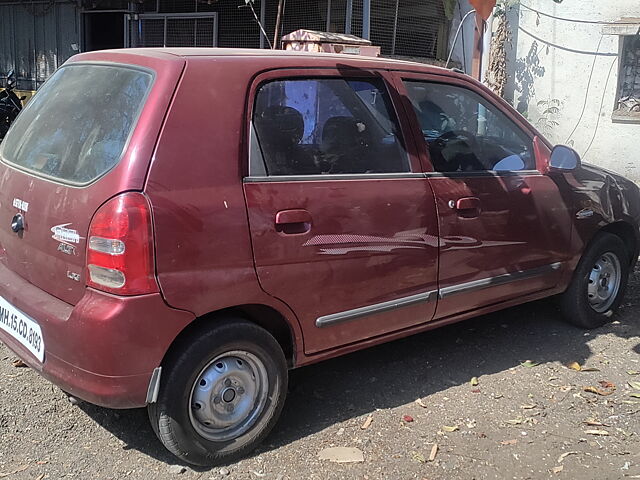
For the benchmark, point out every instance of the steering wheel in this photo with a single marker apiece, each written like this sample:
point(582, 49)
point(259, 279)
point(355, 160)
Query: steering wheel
point(456, 152)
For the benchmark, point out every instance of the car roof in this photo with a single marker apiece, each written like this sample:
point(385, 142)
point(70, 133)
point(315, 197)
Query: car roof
point(305, 57)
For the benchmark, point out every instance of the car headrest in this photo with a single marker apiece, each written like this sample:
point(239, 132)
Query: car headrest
point(280, 125)
point(340, 132)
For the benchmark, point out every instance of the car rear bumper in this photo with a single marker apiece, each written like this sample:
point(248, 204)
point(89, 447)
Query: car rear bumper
point(102, 350)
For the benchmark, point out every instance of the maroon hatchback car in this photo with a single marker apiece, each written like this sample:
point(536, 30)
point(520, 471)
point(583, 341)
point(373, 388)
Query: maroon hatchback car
point(178, 228)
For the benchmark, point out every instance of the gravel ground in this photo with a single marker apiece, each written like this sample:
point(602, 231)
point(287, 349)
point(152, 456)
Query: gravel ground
point(522, 420)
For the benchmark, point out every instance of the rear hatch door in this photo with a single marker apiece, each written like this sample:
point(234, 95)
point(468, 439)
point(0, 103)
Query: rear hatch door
point(87, 135)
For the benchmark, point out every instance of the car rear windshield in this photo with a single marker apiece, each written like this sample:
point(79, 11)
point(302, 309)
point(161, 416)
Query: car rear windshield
point(76, 127)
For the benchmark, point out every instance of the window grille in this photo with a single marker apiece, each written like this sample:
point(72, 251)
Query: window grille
point(176, 30)
point(628, 99)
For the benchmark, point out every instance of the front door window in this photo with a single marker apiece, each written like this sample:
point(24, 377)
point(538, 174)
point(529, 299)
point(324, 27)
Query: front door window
point(465, 133)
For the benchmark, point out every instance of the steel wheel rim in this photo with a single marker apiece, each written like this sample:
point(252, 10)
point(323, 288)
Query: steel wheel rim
point(604, 281)
point(228, 396)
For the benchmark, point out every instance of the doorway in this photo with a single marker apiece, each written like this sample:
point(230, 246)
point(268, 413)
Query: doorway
point(104, 30)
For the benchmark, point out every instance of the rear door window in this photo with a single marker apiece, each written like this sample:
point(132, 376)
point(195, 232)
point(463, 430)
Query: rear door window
point(77, 126)
point(327, 126)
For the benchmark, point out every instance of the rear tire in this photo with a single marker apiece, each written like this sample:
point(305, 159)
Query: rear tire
point(221, 394)
point(599, 283)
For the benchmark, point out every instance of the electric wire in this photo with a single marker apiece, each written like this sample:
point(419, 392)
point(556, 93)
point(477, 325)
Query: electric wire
point(604, 91)
point(586, 93)
point(464, 47)
point(576, 20)
point(455, 38)
point(250, 3)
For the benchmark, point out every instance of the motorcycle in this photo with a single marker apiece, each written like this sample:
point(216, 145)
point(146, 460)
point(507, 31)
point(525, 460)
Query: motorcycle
point(10, 104)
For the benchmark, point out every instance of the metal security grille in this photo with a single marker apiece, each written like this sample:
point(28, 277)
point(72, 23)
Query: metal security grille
point(354, 16)
point(175, 30)
point(38, 36)
point(629, 98)
point(236, 26)
point(414, 28)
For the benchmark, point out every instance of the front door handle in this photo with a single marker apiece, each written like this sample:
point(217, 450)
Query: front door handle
point(293, 222)
point(467, 207)
point(468, 203)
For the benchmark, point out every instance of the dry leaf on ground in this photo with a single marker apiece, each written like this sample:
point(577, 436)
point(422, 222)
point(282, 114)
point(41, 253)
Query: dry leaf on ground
point(434, 452)
point(565, 455)
point(18, 363)
point(557, 469)
point(449, 429)
point(530, 364)
point(342, 455)
point(474, 381)
point(509, 442)
point(603, 433)
point(367, 422)
point(417, 456)
point(594, 423)
point(17, 470)
point(420, 403)
point(635, 385)
point(574, 366)
point(599, 391)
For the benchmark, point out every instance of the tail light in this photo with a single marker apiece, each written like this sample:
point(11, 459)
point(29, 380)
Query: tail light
point(120, 256)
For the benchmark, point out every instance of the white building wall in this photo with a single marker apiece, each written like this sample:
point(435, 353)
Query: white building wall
point(550, 63)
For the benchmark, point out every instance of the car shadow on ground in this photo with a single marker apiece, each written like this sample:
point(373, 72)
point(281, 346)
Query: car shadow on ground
point(399, 372)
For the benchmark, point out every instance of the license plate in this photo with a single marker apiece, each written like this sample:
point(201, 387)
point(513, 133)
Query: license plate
point(22, 328)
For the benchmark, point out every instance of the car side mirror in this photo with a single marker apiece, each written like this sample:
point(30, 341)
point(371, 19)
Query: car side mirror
point(564, 158)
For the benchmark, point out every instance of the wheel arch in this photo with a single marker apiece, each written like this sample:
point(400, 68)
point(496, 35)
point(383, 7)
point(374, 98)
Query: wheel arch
point(626, 232)
point(264, 316)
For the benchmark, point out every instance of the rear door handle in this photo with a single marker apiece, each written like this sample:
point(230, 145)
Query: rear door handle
point(293, 222)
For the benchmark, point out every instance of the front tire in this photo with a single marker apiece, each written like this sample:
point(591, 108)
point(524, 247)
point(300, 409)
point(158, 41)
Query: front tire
point(221, 393)
point(598, 283)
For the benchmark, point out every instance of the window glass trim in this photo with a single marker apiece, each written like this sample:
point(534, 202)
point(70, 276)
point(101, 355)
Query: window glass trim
point(486, 173)
point(333, 177)
point(389, 176)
